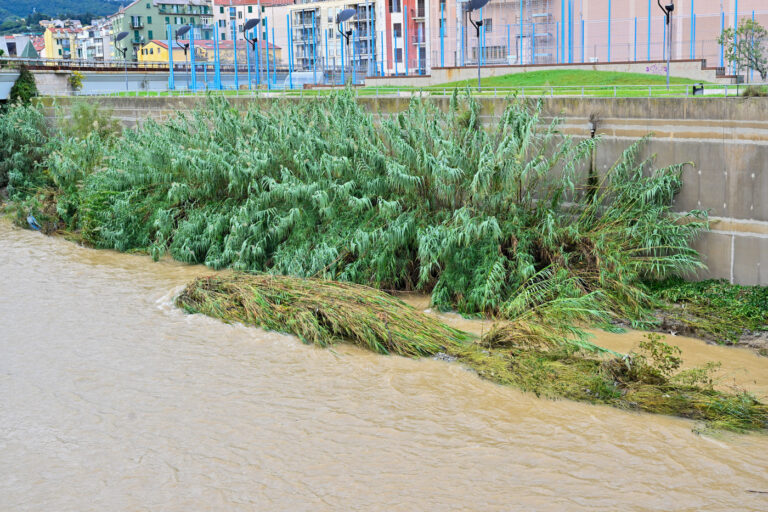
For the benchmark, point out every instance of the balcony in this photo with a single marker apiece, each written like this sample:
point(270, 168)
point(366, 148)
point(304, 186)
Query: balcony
point(136, 23)
point(185, 10)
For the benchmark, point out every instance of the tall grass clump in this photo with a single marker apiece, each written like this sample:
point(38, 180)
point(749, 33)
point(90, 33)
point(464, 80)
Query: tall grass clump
point(321, 312)
point(23, 138)
point(489, 221)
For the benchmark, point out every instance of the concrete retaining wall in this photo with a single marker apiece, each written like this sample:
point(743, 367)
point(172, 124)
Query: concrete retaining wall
point(693, 69)
point(726, 139)
point(55, 82)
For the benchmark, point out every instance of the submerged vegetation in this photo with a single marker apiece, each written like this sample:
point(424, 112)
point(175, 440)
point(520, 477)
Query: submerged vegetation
point(714, 309)
point(321, 312)
point(324, 312)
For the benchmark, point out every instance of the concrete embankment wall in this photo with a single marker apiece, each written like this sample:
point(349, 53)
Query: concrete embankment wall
point(726, 139)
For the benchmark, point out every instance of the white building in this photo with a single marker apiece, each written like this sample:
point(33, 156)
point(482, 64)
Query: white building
point(93, 41)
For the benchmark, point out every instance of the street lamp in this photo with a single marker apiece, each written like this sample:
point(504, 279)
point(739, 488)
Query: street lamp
point(249, 25)
point(120, 37)
point(343, 16)
point(180, 33)
point(668, 9)
point(474, 5)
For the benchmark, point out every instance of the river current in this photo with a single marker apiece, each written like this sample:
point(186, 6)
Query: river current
point(113, 399)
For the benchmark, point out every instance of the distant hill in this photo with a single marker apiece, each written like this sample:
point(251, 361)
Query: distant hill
point(20, 16)
point(23, 8)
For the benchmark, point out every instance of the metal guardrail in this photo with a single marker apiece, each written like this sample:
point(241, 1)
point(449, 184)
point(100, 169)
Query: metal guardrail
point(82, 64)
point(117, 65)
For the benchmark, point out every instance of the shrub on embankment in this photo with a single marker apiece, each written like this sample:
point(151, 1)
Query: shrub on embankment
point(23, 138)
point(487, 221)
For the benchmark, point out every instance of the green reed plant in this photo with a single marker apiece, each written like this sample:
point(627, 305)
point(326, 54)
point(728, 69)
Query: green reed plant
point(489, 221)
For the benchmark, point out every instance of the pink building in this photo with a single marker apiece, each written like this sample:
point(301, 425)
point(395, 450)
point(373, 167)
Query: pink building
point(561, 31)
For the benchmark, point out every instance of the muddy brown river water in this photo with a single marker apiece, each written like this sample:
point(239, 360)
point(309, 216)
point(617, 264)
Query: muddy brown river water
point(112, 399)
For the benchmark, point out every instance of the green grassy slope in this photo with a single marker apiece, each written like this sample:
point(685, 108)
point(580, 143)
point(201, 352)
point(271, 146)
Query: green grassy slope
point(571, 77)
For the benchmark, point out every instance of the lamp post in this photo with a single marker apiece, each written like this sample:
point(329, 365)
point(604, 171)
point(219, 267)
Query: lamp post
point(249, 25)
point(120, 37)
point(179, 33)
point(343, 16)
point(474, 5)
point(668, 10)
point(593, 123)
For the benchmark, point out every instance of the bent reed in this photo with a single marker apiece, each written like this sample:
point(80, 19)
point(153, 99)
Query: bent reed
point(324, 312)
point(506, 222)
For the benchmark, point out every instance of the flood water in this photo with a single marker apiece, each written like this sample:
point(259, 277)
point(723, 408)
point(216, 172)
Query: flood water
point(112, 399)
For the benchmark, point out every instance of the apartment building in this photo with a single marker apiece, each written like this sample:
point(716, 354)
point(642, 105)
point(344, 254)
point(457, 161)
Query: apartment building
point(231, 15)
point(145, 20)
point(93, 42)
point(561, 31)
point(20, 45)
point(60, 42)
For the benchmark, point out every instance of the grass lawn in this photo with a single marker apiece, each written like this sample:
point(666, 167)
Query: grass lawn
point(571, 77)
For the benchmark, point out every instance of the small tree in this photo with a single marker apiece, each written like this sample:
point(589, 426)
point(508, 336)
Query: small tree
point(745, 48)
point(76, 81)
point(25, 87)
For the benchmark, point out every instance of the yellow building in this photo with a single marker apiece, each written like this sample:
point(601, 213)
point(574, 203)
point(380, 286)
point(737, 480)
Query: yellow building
point(59, 42)
point(156, 51)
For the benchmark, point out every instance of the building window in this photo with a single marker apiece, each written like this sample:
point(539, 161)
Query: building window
point(394, 5)
point(488, 24)
point(147, 6)
point(223, 36)
point(398, 29)
point(250, 9)
point(59, 51)
point(167, 20)
point(239, 15)
point(399, 55)
point(221, 10)
point(149, 20)
point(150, 35)
point(135, 35)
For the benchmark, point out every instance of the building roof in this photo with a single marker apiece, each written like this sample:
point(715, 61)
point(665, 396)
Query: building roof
point(29, 52)
point(38, 43)
point(164, 44)
point(64, 30)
